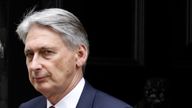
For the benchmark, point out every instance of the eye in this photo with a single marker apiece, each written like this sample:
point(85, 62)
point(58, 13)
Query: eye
point(29, 55)
point(47, 53)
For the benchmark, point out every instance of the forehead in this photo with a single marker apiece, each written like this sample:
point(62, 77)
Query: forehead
point(41, 36)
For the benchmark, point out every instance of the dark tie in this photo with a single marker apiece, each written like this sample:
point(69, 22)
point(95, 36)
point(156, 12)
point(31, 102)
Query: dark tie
point(51, 107)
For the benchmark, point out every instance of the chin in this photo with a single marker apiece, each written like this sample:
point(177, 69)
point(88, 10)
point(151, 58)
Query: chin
point(42, 88)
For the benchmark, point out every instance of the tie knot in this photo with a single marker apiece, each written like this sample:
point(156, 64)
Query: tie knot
point(51, 107)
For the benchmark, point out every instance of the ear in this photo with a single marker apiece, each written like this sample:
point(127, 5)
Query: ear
point(81, 55)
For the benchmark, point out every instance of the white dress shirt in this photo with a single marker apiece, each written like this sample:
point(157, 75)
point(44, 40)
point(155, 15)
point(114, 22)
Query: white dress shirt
point(72, 98)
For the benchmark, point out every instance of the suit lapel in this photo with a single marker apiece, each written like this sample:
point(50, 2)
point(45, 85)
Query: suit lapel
point(87, 97)
point(42, 103)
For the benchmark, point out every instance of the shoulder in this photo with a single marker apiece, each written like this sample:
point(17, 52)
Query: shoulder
point(37, 101)
point(104, 100)
point(94, 98)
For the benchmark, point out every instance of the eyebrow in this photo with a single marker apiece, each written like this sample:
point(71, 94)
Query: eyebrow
point(41, 48)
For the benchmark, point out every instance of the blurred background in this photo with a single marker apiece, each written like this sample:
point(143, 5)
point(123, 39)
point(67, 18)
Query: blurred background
point(140, 51)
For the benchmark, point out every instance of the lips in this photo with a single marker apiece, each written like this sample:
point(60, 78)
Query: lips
point(39, 76)
point(40, 79)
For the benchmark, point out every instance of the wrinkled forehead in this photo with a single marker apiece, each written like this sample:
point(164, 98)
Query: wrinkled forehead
point(41, 35)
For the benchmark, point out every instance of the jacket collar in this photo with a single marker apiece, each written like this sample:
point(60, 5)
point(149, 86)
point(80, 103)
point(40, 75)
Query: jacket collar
point(87, 97)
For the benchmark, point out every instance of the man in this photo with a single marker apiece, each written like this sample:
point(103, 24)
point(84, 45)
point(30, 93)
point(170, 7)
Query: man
point(56, 50)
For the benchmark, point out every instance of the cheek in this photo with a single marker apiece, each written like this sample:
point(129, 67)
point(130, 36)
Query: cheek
point(64, 67)
point(30, 77)
point(29, 72)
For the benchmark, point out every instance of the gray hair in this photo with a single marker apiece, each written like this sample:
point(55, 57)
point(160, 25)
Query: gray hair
point(62, 21)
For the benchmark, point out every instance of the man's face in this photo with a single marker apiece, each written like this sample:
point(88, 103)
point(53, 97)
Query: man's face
point(51, 65)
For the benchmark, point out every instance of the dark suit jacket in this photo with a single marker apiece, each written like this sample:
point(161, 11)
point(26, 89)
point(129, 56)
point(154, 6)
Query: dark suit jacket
point(90, 98)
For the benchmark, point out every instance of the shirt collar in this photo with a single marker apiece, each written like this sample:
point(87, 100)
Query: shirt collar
point(72, 98)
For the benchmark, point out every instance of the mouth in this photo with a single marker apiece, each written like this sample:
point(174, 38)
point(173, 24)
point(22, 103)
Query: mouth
point(40, 79)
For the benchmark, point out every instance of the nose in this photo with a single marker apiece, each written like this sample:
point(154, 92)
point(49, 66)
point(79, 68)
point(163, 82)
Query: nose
point(35, 63)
